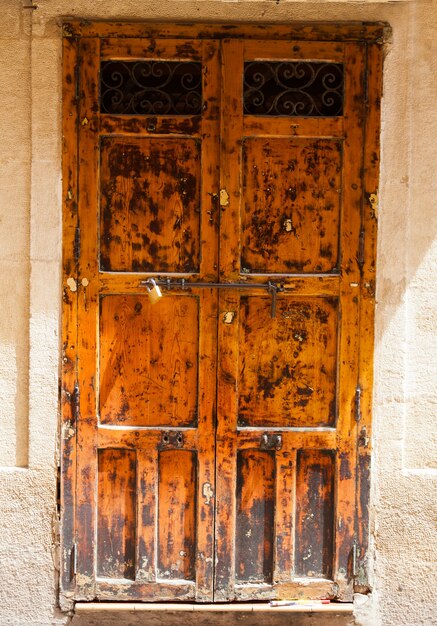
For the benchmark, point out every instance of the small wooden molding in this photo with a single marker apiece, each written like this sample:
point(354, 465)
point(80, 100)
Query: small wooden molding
point(378, 32)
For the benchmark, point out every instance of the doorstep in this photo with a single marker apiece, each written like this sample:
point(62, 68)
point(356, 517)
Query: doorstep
point(244, 614)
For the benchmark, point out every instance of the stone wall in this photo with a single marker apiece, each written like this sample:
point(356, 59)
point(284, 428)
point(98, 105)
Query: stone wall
point(404, 471)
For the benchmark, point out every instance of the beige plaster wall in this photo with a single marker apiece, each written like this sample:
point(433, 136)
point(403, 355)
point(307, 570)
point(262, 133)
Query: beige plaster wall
point(404, 461)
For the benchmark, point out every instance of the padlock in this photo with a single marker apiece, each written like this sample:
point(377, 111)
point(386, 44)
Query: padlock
point(153, 291)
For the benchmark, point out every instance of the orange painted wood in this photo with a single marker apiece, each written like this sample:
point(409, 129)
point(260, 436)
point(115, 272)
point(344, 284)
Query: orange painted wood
point(291, 205)
point(143, 48)
point(320, 127)
point(69, 388)
point(126, 383)
point(345, 479)
point(150, 205)
point(267, 380)
point(230, 159)
point(285, 485)
point(151, 125)
point(294, 51)
point(215, 443)
point(255, 516)
point(294, 284)
point(303, 31)
point(149, 357)
point(367, 307)
point(86, 513)
point(314, 529)
point(177, 514)
point(288, 365)
point(116, 503)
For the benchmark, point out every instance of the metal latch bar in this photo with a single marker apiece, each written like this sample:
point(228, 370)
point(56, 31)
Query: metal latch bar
point(169, 284)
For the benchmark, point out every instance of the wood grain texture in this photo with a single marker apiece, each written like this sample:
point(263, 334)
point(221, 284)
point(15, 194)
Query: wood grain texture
point(150, 213)
point(150, 48)
point(300, 31)
point(314, 513)
point(288, 365)
point(149, 357)
point(86, 514)
point(69, 387)
point(291, 205)
point(255, 516)
point(367, 308)
point(177, 514)
point(347, 429)
point(116, 513)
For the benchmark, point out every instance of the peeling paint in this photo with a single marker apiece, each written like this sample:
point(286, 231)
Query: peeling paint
point(228, 317)
point(373, 200)
point(71, 282)
point(207, 492)
point(224, 198)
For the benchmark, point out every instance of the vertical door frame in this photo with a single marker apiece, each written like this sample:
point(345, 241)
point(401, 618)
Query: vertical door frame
point(74, 32)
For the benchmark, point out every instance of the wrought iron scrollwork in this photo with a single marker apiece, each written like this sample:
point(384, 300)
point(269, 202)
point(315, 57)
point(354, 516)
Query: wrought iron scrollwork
point(293, 88)
point(151, 87)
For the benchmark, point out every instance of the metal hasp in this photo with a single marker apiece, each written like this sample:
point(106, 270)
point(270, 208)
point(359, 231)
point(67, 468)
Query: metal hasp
point(169, 284)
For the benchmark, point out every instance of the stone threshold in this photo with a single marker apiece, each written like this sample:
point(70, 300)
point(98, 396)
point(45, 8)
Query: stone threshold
point(243, 614)
point(243, 607)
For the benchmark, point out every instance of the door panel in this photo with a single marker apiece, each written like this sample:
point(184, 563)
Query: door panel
point(116, 526)
point(287, 365)
point(149, 361)
point(255, 516)
point(290, 210)
point(217, 430)
point(150, 204)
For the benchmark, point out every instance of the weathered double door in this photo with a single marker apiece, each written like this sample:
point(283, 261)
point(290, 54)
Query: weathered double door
point(216, 430)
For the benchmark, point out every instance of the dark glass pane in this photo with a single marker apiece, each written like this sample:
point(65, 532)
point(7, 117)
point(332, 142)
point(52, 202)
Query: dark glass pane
point(297, 88)
point(151, 87)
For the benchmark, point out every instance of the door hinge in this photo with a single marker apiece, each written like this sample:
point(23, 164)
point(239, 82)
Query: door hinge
point(360, 257)
point(354, 560)
point(366, 85)
point(77, 244)
point(358, 403)
point(58, 491)
point(73, 561)
point(77, 81)
point(75, 402)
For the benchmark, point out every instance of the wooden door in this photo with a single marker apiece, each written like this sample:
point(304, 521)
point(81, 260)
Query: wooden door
point(212, 440)
point(286, 436)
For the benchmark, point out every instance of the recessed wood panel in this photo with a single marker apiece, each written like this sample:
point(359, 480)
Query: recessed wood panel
point(314, 513)
point(287, 365)
point(255, 516)
point(149, 360)
point(177, 514)
point(291, 205)
point(150, 205)
point(116, 513)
